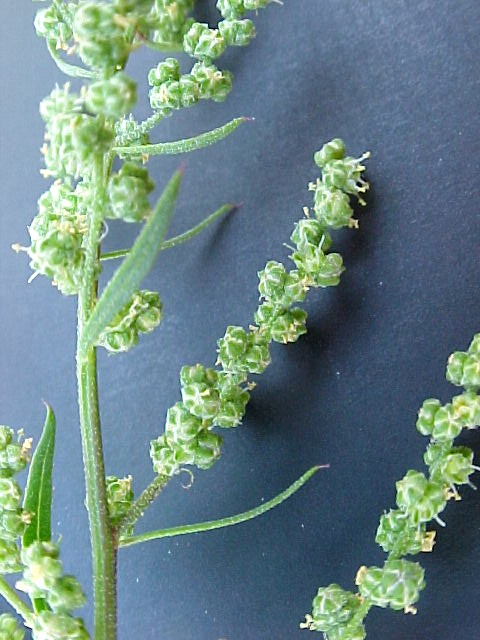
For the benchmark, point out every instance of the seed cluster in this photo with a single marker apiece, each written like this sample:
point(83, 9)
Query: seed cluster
point(218, 398)
point(420, 498)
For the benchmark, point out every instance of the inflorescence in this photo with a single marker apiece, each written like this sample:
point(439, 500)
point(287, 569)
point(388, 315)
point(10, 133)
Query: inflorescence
point(218, 397)
point(402, 532)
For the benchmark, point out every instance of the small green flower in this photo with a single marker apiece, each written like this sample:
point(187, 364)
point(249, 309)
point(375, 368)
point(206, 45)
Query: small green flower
point(59, 102)
point(333, 606)
point(112, 97)
point(203, 43)
point(346, 174)
point(426, 416)
point(446, 424)
point(213, 84)
point(54, 26)
point(242, 352)
point(235, 8)
point(398, 536)
point(9, 630)
point(141, 314)
point(128, 192)
point(280, 287)
point(168, 69)
point(237, 33)
point(9, 557)
point(14, 456)
point(199, 393)
point(58, 626)
point(310, 232)
point(420, 498)
point(332, 207)
point(397, 584)
point(119, 496)
point(333, 150)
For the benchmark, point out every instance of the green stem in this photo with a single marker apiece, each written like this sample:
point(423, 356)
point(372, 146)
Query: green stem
point(138, 508)
point(16, 602)
point(182, 237)
point(183, 146)
point(102, 539)
point(224, 522)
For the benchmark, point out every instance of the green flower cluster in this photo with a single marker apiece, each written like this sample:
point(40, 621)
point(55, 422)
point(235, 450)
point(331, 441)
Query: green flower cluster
point(43, 578)
point(463, 368)
point(58, 626)
point(119, 496)
point(9, 630)
point(212, 398)
point(237, 8)
point(127, 193)
point(205, 81)
point(141, 314)
point(420, 499)
point(56, 233)
point(14, 457)
point(169, 21)
point(171, 90)
point(72, 139)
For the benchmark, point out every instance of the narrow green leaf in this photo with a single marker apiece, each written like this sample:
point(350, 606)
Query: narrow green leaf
point(181, 238)
point(38, 492)
point(182, 530)
point(135, 267)
point(186, 145)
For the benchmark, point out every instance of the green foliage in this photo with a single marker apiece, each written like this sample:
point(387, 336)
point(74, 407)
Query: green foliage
point(39, 489)
point(420, 498)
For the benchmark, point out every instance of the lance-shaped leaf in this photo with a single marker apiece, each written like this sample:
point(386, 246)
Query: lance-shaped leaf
point(135, 267)
point(38, 493)
point(186, 145)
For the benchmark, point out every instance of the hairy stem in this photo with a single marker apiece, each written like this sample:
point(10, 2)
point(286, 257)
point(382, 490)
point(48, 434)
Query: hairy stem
point(101, 534)
point(16, 602)
point(147, 496)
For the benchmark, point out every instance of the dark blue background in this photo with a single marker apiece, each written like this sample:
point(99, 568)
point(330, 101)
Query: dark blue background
point(398, 78)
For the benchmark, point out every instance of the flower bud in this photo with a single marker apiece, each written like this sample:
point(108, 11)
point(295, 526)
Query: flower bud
point(420, 498)
point(426, 416)
point(203, 43)
point(127, 193)
point(333, 606)
point(119, 496)
point(168, 69)
point(141, 314)
point(397, 584)
point(213, 84)
point(333, 150)
point(332, 207)
point(51, 25)
point(280, 287)
point(112, 97)
point(58, 626)
point(237, 33)
point(398, 536)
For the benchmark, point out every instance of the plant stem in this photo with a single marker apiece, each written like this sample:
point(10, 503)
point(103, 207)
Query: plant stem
point(223, 522)
point(137, 509)
point(16, 602)
point(101, 534)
